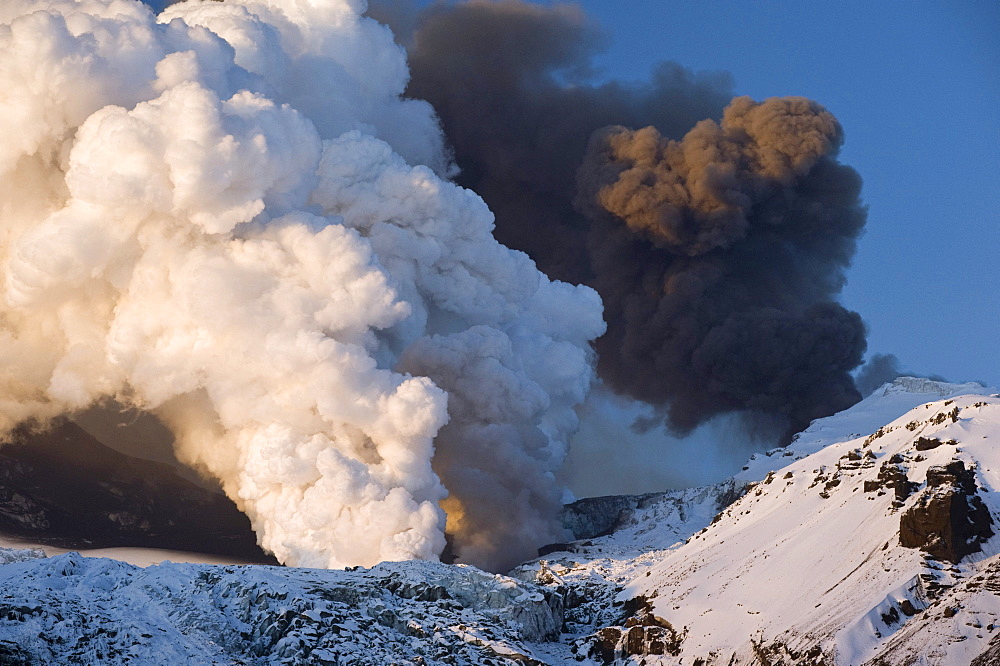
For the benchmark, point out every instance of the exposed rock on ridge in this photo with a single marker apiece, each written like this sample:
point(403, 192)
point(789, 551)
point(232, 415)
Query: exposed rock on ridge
point(948, 520)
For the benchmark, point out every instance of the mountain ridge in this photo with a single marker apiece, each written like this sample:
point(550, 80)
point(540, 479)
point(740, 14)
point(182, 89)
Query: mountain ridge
point(808, 567)
point(797, 560)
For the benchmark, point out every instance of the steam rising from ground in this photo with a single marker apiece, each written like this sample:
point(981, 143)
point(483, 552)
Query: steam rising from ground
point(718, 246)
point(227, 215)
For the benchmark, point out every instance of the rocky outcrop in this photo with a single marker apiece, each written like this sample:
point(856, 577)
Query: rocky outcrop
point(595, 517)
point(928, 443)
point(892, 476)
point(948, 520)
point(990, 656)
point(641, 634)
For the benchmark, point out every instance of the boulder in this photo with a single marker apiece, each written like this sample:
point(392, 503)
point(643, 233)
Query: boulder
point(948, 520)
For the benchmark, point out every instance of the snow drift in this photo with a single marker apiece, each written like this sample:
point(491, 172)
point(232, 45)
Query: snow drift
point(227, 215)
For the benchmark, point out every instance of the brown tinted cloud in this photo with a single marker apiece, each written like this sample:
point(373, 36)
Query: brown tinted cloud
point(717, 241)
point(718, 257)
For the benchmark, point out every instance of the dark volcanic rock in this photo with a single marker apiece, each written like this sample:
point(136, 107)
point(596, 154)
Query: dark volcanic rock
point(64, 488)
point(598, 516)
point(555, 548)
point(948, 520)
point(990, 656)
point(892, 476)
point(594, 517)
point(641, 634)
point(928, 443)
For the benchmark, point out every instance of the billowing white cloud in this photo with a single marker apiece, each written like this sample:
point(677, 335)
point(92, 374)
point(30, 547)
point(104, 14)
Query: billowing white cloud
point(227, 215)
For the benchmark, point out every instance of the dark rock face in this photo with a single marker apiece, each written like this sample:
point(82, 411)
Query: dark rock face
point(990, 656)
point(948, 520)
point(64, 488)
point(594, 517)
point(928, 443)
point(555, 548)
point(641, 634)
point(892, 476)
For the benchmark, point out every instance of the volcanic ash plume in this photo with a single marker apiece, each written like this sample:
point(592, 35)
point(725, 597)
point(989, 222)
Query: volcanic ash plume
point(718, 257)
point(510, 81)
point(227, 215)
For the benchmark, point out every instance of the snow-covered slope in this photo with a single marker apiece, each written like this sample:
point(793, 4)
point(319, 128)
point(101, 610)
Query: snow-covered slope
point(881, 407)
point(871, 540)
point(71, 609)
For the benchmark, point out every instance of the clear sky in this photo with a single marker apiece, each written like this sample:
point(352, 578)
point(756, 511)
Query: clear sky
point(916, 86)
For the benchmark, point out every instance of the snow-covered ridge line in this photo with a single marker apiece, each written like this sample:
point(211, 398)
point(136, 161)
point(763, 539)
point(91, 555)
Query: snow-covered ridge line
point(875, 525)
point(72, 609)
point(883, 405)
point(837, 556)
point(833, 553)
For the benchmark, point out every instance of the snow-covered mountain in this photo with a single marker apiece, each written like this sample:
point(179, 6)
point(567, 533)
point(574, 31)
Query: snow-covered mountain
point(76, 610)
point(872, 539)
point(63, 488)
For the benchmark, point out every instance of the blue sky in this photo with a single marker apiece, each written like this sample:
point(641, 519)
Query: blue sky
point(916, 86)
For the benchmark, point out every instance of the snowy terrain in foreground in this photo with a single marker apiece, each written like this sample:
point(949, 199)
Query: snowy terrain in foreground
point(73, 609)
point(806, 568)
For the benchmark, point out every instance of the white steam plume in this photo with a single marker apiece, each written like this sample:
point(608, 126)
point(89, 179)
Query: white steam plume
point(227, 215)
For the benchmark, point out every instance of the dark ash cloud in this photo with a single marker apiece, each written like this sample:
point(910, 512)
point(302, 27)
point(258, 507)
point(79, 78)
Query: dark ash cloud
point(718, 241)
point(878, 370)
point(718, 258)
point(883, 369)
point(510, 82)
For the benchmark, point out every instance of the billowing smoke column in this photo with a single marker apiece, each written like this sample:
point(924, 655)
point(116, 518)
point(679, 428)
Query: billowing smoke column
point(509, 81)
point(227, 215)
point(718, 256)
